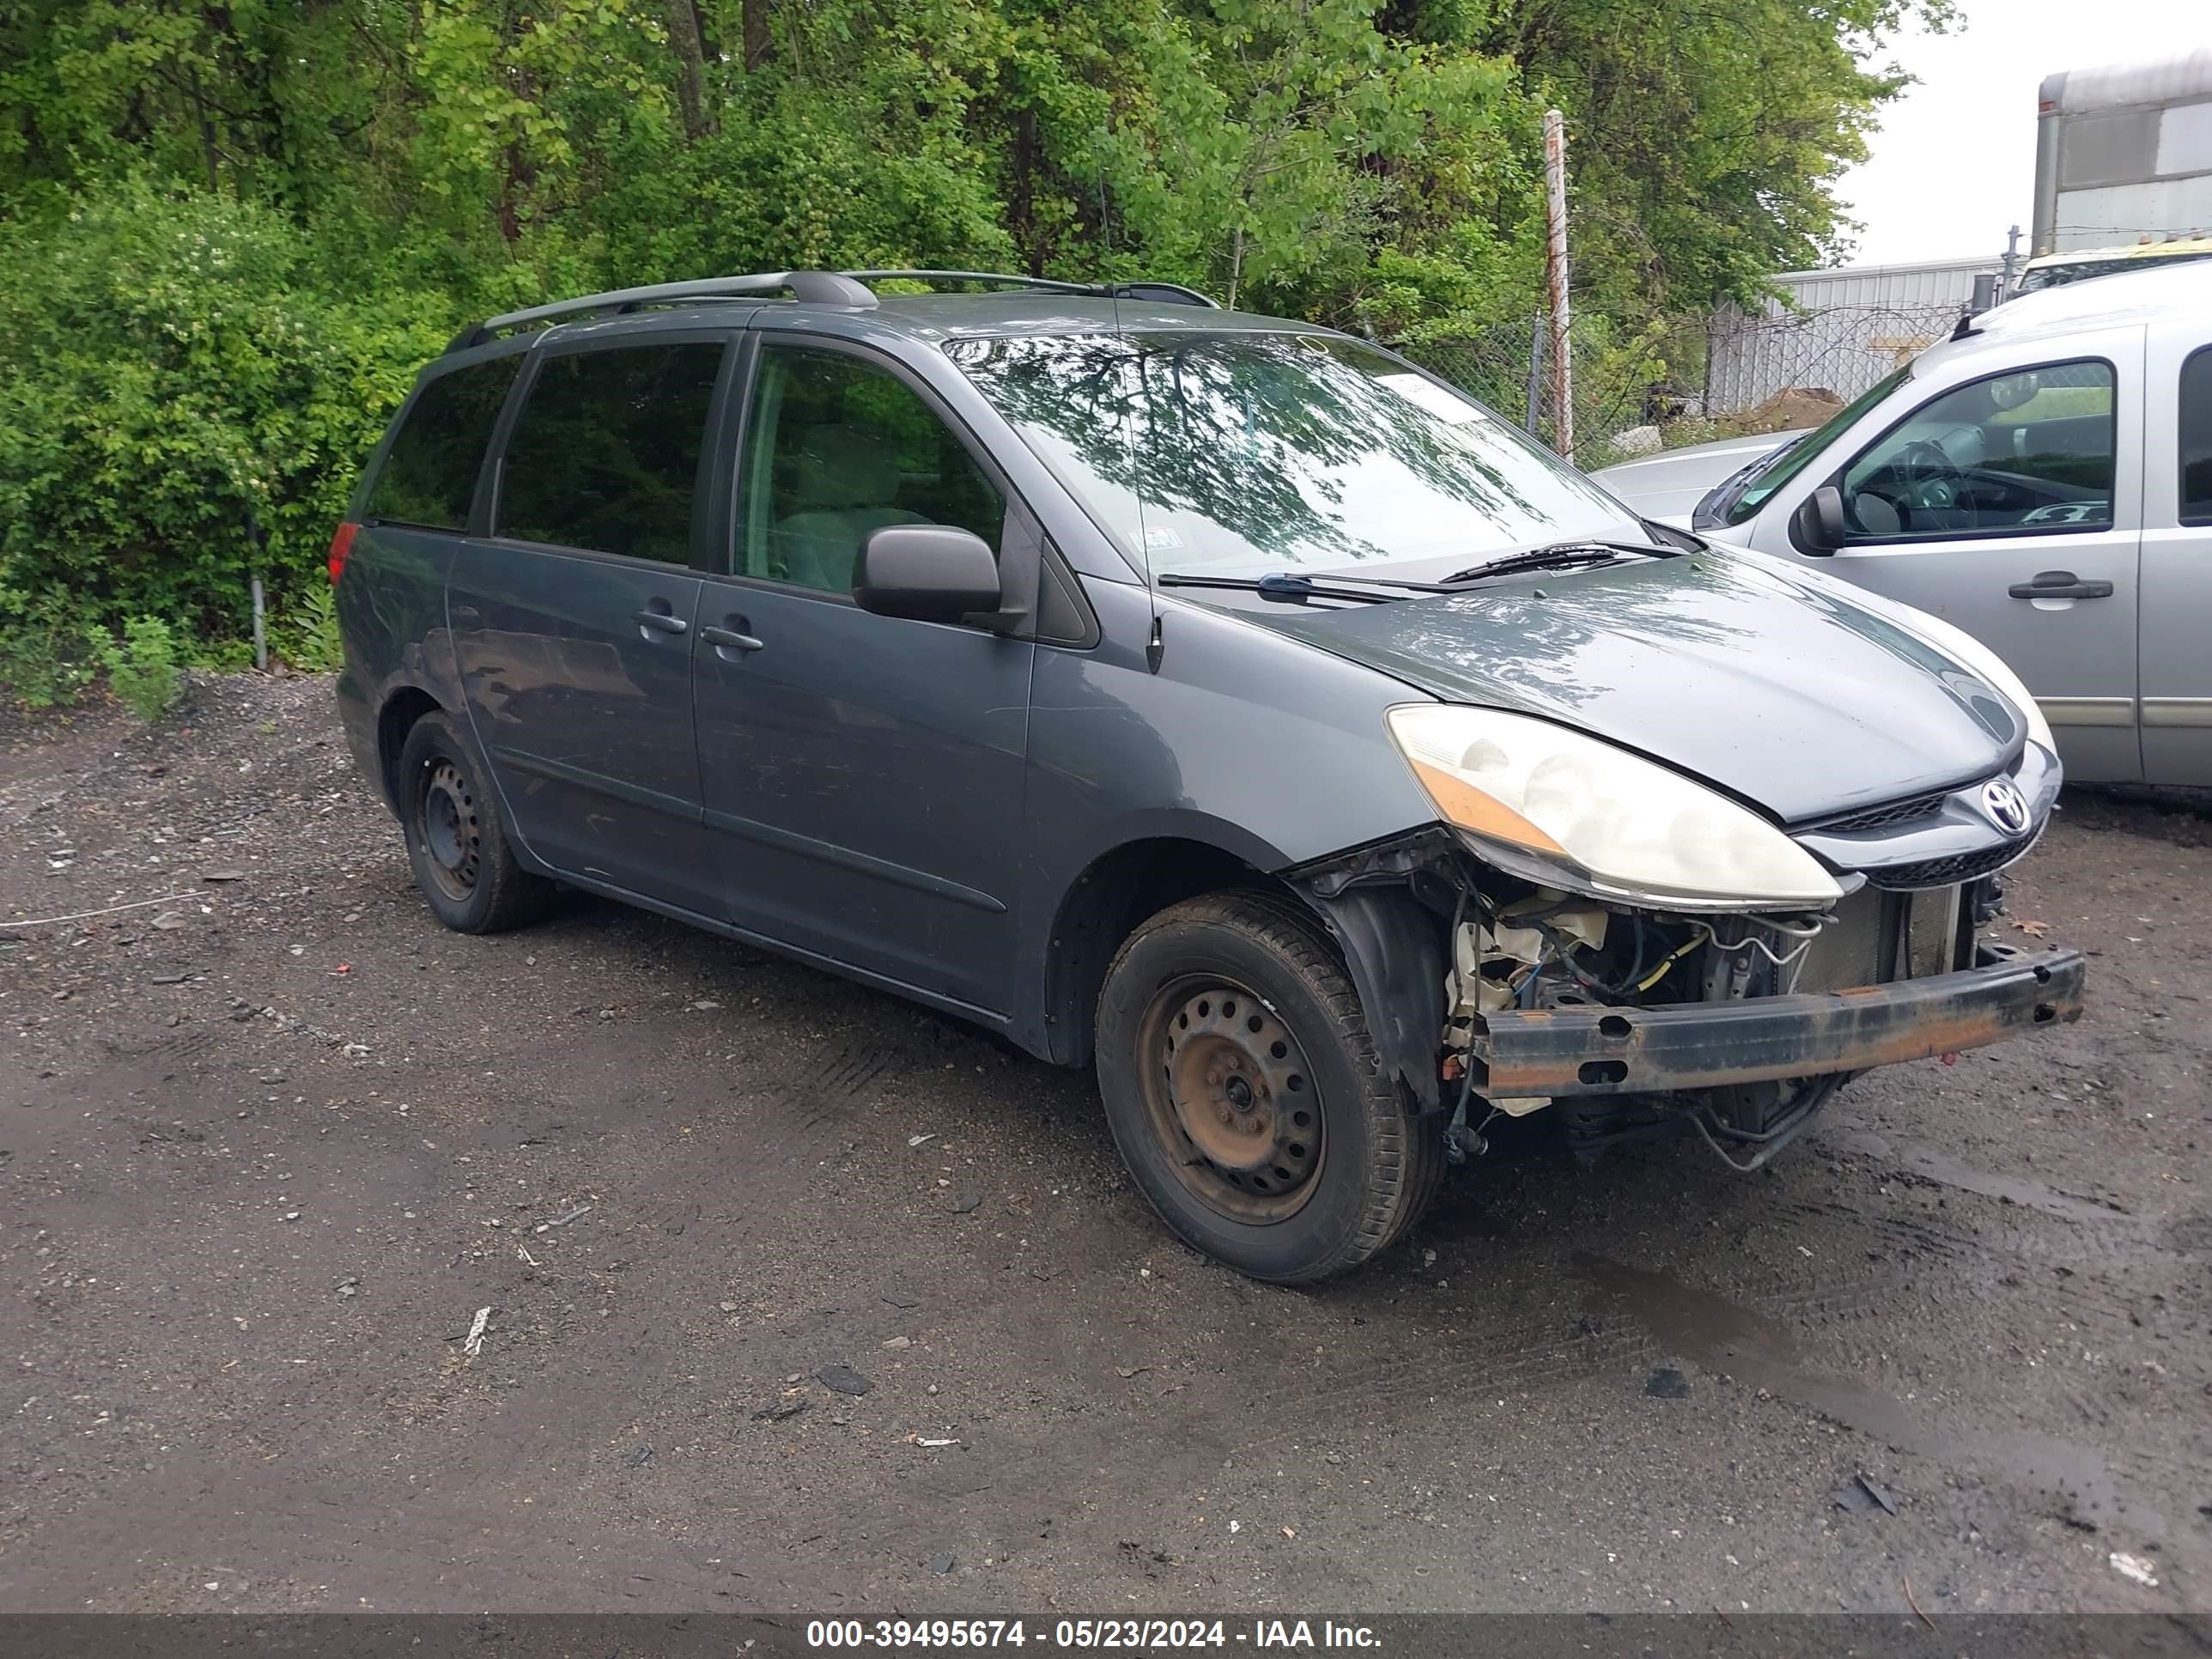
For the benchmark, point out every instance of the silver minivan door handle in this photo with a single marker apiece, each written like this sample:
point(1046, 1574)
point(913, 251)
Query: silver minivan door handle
point(2060, 585)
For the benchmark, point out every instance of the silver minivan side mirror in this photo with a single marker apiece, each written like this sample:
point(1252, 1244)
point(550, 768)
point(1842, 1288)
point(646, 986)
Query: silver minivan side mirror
point(1816, 528)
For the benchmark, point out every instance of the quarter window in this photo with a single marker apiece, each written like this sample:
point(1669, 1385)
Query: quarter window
point(2196, 437)
point(429, 473)
point(2028, 452)
point(839, 447)
point(605, 453)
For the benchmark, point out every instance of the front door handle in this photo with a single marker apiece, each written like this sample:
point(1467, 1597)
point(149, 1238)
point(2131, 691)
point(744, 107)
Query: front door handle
point(660, 622)
point(2060, 585)
point(733, 638)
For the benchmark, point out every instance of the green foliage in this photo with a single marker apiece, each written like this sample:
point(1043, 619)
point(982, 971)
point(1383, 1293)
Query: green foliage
point(170, 380)
point(307, 637)
point(43, 660)
point(225, 655)
point(144, 669)
point(230, 234)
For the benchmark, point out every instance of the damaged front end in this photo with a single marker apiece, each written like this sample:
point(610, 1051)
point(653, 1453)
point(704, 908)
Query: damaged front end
point(1492, 994)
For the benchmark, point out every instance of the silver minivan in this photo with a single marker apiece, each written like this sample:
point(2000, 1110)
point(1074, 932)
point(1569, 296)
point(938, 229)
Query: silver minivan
point(2043, 480)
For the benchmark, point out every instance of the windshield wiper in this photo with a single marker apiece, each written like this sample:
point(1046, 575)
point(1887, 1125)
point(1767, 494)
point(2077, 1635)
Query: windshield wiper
point(1406, 583)
point(1286, 589)
point(1562, 555)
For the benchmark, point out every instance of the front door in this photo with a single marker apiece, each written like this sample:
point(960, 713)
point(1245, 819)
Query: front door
point(862, 774)
point(2010, 506)
point(2177, 574)
point(573, 622)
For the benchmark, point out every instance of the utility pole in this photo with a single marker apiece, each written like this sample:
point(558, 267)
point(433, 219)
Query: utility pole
point(1555, 275)
point(260, 623)
point(2011, 262)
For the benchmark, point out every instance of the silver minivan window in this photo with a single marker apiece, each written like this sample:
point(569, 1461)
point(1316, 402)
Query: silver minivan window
point(1741, 496)
point(2197, 438)
point(1235, 454)
point(2023, 452)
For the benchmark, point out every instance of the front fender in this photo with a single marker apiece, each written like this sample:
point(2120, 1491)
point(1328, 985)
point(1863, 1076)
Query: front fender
point(1394, 947)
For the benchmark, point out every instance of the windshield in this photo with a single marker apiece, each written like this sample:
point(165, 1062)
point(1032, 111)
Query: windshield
point(2035, 278)
point(1237, 455)
point(1738, 497)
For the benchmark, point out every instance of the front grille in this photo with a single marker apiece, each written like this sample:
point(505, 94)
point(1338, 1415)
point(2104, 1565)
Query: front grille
point(1884, 818)
point(1947, 871)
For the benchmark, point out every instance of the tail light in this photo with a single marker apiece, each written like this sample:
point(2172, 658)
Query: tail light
point(341, 545)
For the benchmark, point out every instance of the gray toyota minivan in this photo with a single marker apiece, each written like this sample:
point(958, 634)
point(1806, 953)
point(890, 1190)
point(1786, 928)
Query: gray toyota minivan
point(1214, 699)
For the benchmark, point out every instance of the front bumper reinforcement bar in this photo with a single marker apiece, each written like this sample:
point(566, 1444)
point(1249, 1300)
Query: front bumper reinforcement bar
point(1625, 1050)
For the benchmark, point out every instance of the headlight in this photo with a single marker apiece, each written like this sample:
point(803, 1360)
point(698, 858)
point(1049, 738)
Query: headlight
point(1570, 811)
point(1991, 668)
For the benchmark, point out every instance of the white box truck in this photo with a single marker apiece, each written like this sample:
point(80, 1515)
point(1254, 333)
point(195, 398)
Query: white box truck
point(2122, 169)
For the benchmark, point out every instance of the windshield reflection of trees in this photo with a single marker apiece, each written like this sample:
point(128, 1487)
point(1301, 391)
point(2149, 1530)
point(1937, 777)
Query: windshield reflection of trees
point(1256, 433)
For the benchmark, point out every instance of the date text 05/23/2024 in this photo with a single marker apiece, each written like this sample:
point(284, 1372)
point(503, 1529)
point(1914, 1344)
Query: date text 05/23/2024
point(1138, 1634)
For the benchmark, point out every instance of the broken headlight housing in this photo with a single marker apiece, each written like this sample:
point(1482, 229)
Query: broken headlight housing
point(1567, 811)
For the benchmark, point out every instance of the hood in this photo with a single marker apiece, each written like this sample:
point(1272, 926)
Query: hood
point(1778, 688)
point(1670, 484)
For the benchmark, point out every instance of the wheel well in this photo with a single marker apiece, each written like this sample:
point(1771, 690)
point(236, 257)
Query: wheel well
point(401, 710)
point(1102, 908)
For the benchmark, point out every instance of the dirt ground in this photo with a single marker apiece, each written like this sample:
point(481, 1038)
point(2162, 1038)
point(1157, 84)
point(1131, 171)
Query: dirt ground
point(269, 1146)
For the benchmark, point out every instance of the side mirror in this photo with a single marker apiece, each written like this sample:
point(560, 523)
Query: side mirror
point(1817, 527)
point(927, 572)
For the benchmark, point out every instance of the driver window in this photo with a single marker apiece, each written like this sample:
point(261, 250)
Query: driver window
point(839, 447)
point(2028, 452)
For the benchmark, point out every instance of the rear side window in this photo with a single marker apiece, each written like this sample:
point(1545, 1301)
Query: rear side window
point(605, 453)
point(429, 474)
point(2196, 437)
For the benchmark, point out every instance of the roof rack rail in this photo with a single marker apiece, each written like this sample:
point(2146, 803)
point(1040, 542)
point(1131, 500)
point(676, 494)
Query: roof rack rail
point(831, 287)
point(1167, 293)
point(816, 287)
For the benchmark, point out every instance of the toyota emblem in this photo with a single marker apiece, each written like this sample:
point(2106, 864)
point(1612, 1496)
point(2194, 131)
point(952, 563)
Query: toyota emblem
point(2006, 806)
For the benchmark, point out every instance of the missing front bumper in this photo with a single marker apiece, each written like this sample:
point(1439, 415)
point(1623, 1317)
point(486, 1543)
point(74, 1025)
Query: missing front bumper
point(1626, 1050)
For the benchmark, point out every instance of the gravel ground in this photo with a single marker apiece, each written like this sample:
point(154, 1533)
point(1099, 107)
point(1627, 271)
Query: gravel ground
point(800, 1298)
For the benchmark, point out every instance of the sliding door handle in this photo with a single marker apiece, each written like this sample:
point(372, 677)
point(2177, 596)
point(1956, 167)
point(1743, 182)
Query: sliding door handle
point(660, 622)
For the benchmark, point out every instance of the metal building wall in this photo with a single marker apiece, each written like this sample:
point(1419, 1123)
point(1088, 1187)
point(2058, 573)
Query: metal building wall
point(1840, 332)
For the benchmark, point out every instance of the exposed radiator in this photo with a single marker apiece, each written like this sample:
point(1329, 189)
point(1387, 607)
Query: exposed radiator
point(1849, 952)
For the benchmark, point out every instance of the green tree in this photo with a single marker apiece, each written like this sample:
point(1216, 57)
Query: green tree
point(1705, 136)
point(228, 233)
point(175, 383)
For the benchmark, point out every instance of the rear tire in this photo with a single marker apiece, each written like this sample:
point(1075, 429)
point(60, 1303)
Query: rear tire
point(1244, 1092)
point(457, 843)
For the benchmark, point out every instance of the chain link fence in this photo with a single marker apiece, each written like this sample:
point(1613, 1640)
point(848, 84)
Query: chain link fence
point(1752, 360)
point(1618, 384)
point(1689, 380)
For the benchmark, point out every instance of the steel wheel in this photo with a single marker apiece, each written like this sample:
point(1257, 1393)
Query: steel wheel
point(1229, 1090)
point(1238, 1004)
point(457, 844)
point(451, 830)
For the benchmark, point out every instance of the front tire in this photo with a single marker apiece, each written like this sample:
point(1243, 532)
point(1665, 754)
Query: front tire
point(1244, 1092)
point(457, 843)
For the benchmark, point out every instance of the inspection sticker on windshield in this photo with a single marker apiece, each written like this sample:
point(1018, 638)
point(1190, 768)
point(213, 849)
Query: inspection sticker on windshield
point(1417, 389)
point(1161, 538)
